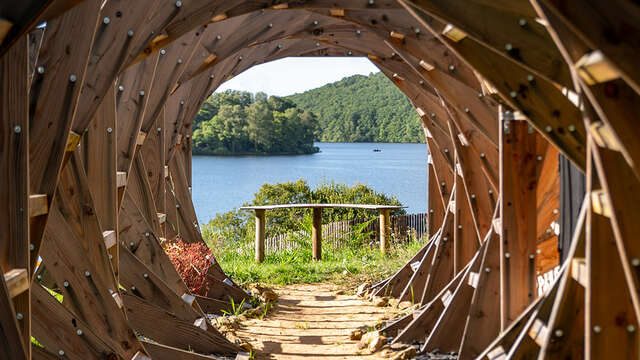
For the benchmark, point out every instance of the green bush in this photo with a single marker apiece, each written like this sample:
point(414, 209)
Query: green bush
point(239, 225)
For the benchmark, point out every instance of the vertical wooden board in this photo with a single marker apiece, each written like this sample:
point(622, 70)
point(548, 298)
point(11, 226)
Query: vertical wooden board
point(465, 236)
point(140, 191)
point(402, 277)
point(623, 191)
point(476, 183)
point(184, 205)
point(611, 313)
point(425, 318)
point(14, 189)
point(56, 328)
point(173, 60)
point(416, 283)
point(152, 322)
point(153, 155)
point(11, 341)
point(434, 198)
point(448, 331)
point(482, 324)
point(441, 271)
point(133, 233)
point(99, 151)
point(144, 283)
point(518, 221)
point(65, 49)
point(442, 172)
point(99, 155)
point(75, 254)
point(125, 27)
point(132, 93)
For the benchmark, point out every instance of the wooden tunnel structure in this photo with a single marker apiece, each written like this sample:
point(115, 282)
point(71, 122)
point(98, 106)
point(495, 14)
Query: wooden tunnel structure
point(97, 98)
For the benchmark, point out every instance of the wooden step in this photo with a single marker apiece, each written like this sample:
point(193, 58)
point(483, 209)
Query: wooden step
point(538, 332)
point(595, 68)
point(38, 205)
point(72, 142)
point(497, 225)
point(17, 281)
point(600, 203)
point(603, 136)
point(121, 178)
point(109, 238)
point(453, 33)
point(579, 270)
point(141, 137)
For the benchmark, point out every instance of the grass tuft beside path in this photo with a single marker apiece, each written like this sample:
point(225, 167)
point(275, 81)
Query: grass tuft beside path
point(350, 264)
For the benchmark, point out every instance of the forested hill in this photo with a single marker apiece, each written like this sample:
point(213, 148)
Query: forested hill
point(362, 109)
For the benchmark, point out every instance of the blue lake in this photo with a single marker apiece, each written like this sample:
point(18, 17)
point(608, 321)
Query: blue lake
point(221, 183)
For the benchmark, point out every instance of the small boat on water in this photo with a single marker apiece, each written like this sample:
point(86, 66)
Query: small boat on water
point(377, 150)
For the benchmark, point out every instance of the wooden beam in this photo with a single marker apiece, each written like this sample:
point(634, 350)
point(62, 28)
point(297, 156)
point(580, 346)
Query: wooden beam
point(121, 179)
point(38, 205)
point(17, 281)
point(316, 234)
point(260, 235)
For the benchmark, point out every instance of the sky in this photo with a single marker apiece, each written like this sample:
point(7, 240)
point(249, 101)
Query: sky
point(295, 75)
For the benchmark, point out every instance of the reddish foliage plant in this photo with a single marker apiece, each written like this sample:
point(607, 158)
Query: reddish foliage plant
point(192, 260)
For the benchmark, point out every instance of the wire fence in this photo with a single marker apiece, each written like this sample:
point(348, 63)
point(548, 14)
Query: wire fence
point(335, 234)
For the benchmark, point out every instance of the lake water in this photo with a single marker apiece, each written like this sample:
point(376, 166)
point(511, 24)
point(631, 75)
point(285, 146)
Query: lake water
point(221, 183)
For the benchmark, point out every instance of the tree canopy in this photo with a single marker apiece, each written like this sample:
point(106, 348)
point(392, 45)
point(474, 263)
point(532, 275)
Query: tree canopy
point(236, 122)
point(362, 109)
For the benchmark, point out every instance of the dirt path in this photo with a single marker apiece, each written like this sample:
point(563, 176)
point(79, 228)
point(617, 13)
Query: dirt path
point(312, 322)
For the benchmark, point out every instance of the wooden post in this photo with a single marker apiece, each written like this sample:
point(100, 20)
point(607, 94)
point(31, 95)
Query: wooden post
point(316, 234)
point(384, 230)
point(260, 218)
point(518, 181)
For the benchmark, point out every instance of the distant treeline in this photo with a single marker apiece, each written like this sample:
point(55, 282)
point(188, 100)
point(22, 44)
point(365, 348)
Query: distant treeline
point(355, 109)
point(235, 122)
point(362, 109)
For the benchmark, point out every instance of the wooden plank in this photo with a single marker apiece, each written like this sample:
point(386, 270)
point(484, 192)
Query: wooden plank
point(58, 329)
point(607, 318)
point(15, 240)
point(213, 306)
point(17, 281)
point(501, 30)
point(133, 232)
point(162, 218)
point(449, 328)
point(517, 220)
point(141, 281)
point(536, 104)
point(121, 179)
point(482, 326)
point(152, 322)
point(54, 96)
point(76, 256)
point(38, 205)
point(109, 238)
point(416, 283)
point(163, 352)
point(132, 86)
point(442, 271)
point(425, 319)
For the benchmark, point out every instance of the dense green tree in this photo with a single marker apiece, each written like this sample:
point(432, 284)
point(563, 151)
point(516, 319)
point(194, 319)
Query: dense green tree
point(236, 224)
point(362, 109)
point(240, 123)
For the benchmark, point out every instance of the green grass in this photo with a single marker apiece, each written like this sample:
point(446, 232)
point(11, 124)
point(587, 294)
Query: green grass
point(361, 261)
